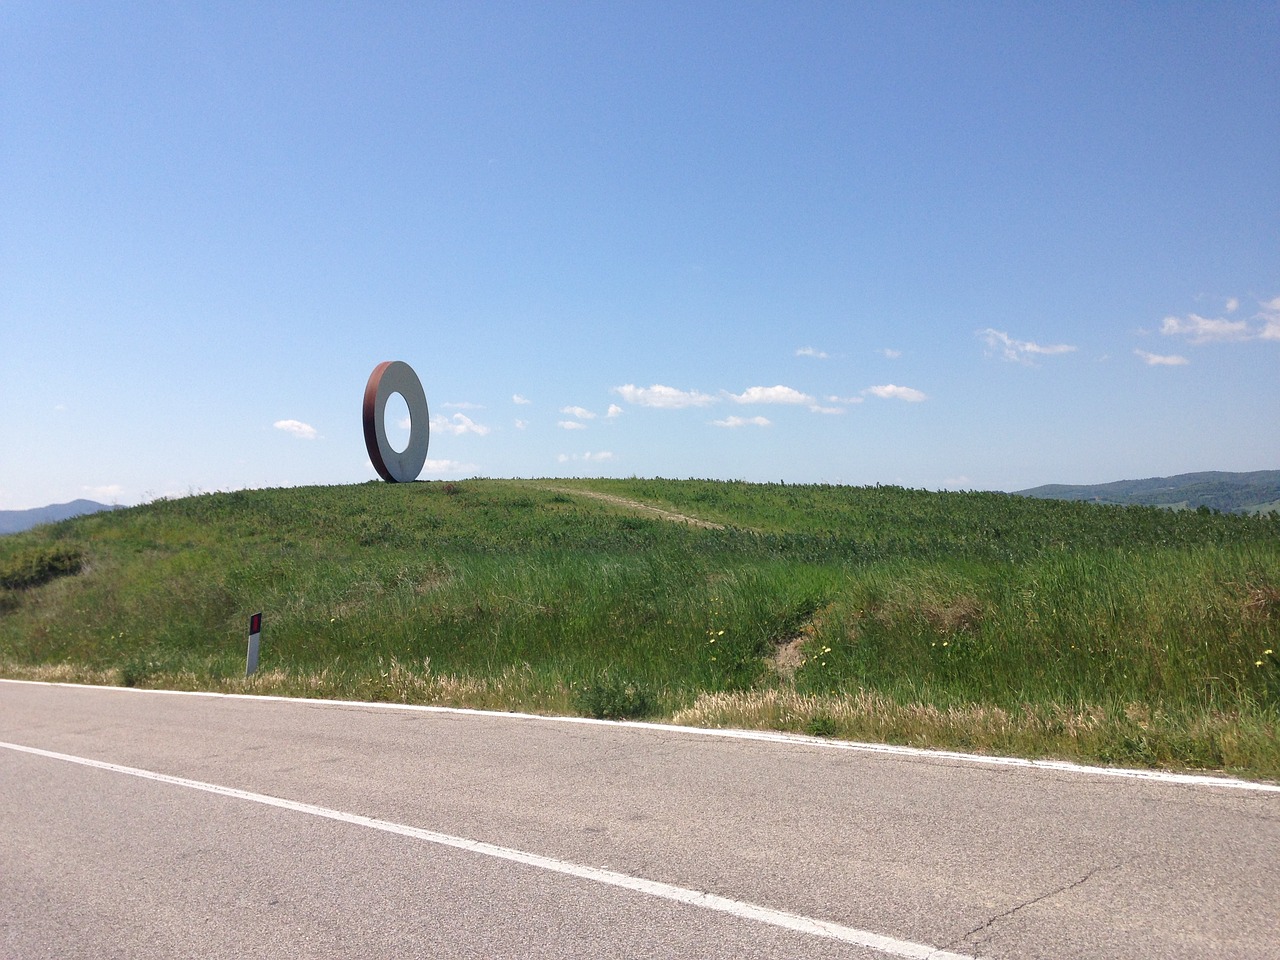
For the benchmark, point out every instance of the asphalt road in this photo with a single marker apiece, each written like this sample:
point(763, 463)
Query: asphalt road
point(301, 829)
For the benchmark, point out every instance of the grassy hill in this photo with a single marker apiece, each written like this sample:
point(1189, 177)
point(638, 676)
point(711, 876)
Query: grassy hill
point(1255, 492)
point(973, 621)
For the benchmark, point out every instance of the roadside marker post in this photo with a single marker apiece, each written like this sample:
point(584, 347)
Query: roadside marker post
point(255, 634)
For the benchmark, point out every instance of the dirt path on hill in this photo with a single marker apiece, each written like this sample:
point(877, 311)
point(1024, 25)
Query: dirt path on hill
point(637, 506)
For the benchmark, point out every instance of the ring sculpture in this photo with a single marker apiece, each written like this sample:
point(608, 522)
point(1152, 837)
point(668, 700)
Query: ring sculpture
point(391, 377)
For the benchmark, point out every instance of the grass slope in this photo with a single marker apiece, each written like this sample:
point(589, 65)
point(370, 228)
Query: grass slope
point(972, 621)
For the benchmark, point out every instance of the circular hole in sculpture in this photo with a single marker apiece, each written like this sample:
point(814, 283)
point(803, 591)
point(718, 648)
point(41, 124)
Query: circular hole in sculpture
point(397, 422)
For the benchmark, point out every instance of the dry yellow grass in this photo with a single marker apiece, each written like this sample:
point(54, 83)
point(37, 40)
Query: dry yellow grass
point(59, 673)
point(396, 682)
point(1074, 733)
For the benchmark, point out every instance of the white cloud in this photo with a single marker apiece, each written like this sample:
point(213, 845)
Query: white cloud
point(1020, 351)
point(571, 425)
point(110, 490)
point(891, 353)
point(667, 398)
point(447, 466)
point(521, 424)
point(778, 394)
point(516, 398)
point(890, 391)
point(614, 411)
point(732, 422)
point(457, 425)
point(303, 431)
point(582, 413)
point(1158, 360)
point(1270, 317)
point(835, 399)
point(811, 352)
point(1199, 329)
point(596, 457)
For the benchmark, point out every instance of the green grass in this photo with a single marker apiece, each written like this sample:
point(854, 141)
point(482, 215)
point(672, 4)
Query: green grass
point(36, 566)
point(971, 621)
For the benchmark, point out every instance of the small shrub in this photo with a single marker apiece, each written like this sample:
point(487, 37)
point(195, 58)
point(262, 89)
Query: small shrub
point(821, 725)
point(137, 670)
point(31, 568)
point(615, 698)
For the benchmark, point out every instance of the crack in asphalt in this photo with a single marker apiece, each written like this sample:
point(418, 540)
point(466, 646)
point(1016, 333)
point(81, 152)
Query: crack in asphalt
point(966, 941)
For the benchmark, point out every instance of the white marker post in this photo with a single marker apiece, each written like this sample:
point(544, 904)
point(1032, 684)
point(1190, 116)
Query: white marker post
point(255, 634)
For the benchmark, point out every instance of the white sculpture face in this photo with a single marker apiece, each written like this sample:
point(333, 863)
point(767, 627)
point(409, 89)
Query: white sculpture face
point(388, 379)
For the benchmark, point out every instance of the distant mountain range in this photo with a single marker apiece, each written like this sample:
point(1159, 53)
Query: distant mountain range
point(1256, 492)
point(15, 521)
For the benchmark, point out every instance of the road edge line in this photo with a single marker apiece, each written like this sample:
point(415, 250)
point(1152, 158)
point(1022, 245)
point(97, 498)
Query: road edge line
point(762, 736)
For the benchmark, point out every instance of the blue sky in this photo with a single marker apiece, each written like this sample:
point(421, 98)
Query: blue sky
point(980, 246)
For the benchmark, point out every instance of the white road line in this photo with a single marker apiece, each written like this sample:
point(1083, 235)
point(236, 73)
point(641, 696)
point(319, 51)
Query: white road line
point(764, 736)
point(664, 891)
